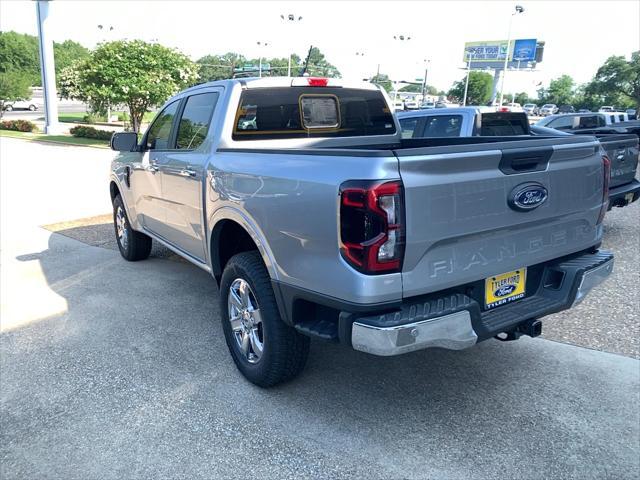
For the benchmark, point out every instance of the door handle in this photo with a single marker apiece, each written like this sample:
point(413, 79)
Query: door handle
point(187, 173)
point(153, 168)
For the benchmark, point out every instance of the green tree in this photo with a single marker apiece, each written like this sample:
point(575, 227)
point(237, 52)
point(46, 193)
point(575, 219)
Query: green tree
point(560, 91)
point(134, 73)
point(19, 53)
point(13, 86)
point(417, 88)
point(617, 82)
point(218, 67)
point(383, 80)
point(318, 65)
point(479, 92)
point(67, 53)
point(521, 98)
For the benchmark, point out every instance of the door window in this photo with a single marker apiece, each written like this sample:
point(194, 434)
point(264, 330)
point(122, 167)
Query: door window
point(562, 123)
point(195, 120)
point(159, 134)
point(408, 127)
point(443, 126)
point(588, 121)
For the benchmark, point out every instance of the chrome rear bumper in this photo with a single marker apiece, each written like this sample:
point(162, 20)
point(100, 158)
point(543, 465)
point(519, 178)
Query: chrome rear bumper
point(593, 278)
point(456, 321)
point(453, 331)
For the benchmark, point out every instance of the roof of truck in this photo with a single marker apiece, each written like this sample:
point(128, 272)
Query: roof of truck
point(264, 82)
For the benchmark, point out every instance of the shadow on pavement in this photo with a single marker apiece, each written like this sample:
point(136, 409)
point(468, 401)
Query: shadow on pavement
point(135, 381)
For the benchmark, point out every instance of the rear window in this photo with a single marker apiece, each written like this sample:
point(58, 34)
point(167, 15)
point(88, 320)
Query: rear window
point(504, 124)
point(300, 112)
point(443, 126)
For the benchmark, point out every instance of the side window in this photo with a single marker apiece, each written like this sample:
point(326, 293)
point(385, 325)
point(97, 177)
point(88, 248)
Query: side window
point(160, 132)
point(588, 121)
point(408, 127)
point(601, 121)
point(562, 123)
point(195, 120)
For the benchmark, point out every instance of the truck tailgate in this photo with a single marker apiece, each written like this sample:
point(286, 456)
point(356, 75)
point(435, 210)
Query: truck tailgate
point(622, 150)
point(460, 227)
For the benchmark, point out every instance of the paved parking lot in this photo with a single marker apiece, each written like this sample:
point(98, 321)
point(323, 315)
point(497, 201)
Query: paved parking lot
point(112, 369)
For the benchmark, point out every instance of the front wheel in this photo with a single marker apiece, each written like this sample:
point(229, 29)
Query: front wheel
point(265, 350)
point(133, 245)
point(8, 108)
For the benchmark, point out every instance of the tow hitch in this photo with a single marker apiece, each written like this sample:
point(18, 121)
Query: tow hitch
point(532, 328)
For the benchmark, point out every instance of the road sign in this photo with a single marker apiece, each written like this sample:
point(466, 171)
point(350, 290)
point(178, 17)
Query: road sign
point(524, 50)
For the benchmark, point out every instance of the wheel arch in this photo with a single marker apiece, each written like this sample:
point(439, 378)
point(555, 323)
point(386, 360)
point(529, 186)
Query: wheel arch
point(231, 233)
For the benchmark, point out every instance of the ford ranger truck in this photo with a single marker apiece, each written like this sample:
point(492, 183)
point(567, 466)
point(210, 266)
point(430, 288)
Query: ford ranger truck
point(317, 219)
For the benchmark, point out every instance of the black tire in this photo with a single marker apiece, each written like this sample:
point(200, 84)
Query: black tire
point(133, 245)
point(32, 108)
point(285, 351)
point(8, 108)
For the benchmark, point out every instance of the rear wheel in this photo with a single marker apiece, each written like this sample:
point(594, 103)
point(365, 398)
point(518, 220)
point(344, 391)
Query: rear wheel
point(264, 349)
point(133, 245)
point(8, 108)
point(33, 108)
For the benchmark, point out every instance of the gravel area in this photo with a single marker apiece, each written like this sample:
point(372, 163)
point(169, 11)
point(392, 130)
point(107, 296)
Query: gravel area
point(608, 319)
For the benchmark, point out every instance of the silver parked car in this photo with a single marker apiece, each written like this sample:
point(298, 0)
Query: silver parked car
point(548, 109)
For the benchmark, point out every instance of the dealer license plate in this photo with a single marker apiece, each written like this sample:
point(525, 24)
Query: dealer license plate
point(505, 288)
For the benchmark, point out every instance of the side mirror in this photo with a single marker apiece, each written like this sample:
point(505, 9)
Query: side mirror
point(124, 141)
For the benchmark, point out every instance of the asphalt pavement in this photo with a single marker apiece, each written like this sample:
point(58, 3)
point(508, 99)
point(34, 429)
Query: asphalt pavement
point(111, 369)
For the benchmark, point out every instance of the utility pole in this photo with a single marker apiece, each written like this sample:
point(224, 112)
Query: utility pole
point(47, 68)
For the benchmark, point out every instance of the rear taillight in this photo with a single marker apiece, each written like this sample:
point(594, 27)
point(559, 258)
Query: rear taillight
point(606, 167)
point(372, 228)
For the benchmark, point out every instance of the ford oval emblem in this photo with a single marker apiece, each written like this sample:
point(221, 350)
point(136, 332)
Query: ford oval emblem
point(504, 290)
point(527, 196)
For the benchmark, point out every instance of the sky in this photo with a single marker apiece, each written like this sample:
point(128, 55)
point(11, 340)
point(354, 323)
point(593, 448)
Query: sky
point(579, 35)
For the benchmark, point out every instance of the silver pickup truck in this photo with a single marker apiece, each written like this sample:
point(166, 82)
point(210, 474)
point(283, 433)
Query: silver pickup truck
point(318, 220)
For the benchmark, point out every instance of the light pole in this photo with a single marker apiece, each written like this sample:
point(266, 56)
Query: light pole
point(466, 85)
point(519, 9)
point(263, 45)
point(106, 30)
point(360, 55)
point(403, 39)
point(290, 19)
point(424, 82)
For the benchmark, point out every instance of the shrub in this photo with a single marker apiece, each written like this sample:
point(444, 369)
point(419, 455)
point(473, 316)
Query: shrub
point(92, 118)
point(18, 125)
point(90, 132)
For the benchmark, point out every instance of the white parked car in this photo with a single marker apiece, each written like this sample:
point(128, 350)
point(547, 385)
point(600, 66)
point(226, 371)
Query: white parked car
point(512, 107)
point(398, 106)
point(411, 105)
point(548, 109)
point(606, 108)
point(21, 105)
point(530, 108)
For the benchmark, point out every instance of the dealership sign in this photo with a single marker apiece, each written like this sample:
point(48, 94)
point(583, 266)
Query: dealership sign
point(492, 53)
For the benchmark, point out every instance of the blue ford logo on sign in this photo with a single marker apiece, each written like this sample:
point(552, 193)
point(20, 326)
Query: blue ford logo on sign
point(504, 290)
point(527, 196)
